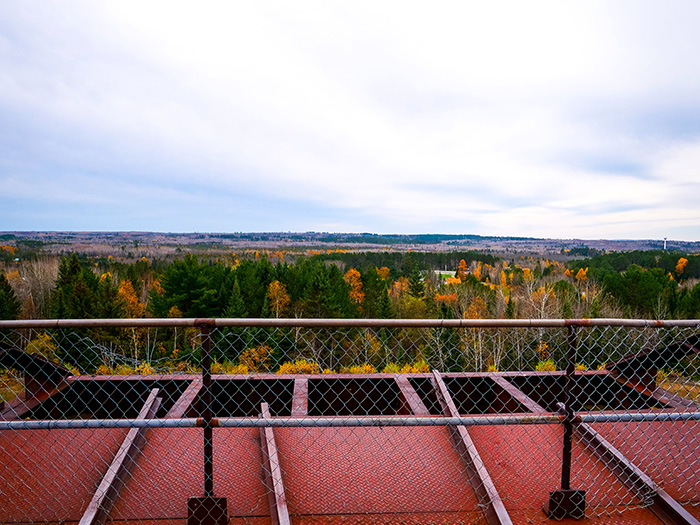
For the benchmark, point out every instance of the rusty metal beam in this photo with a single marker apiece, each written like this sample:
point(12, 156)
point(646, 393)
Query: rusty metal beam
point(106, 494)
point(276, 498)
point(517, 394)
point(409, 396)
point(667, 509)
point(486, 492)
point(300, 398)
point(18, 408)
point(658, 393)
point(188, 397)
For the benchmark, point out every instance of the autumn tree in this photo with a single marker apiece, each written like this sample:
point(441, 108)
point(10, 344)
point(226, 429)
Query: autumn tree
point(133, 307)
point(354, 280)
point(278, 299)
point(462, 271)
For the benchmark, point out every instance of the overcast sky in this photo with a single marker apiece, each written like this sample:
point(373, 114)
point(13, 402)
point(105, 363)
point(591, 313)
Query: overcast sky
point(542, 119)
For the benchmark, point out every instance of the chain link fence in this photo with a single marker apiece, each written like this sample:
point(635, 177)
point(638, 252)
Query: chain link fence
point(357, 421)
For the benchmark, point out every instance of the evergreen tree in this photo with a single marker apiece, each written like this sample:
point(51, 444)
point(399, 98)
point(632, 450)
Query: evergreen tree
point(236, 306)
point(10, 306)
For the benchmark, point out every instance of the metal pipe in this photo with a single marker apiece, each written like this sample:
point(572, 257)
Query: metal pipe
point(347, 421)
point(207, 412)
point(568, 412)
point(346, 323)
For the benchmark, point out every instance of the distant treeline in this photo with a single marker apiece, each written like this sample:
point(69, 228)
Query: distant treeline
point(402, 263)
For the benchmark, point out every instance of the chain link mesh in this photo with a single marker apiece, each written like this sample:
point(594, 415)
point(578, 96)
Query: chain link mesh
point(364, 467)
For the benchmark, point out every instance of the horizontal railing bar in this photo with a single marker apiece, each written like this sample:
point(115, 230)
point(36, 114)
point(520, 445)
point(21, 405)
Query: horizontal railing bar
point(345, 323)
point(346, 421)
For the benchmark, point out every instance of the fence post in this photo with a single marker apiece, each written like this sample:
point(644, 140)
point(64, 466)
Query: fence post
point(208, 510)
point(568, 503)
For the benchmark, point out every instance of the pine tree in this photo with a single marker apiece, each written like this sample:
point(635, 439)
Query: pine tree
point(10, 306)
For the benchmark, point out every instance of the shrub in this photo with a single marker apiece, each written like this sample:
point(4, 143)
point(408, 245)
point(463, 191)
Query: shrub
point(546, 366)
point(300, 366)
point(365, 368)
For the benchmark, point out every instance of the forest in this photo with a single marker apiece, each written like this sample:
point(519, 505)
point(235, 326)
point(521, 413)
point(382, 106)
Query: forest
point(332, 284)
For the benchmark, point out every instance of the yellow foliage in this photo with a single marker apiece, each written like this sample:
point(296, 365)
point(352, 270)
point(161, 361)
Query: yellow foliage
point(256, 359)
point(43, 344)
point(174, 313)
point(104, 370)
point(392, 368)
point(527, 274)
point(546, 366)
point(73, 370)
point(477, 309)
point(543, 351)
point(300, 366)
point(419, 367)
point(123, 370)
point(279, 298)
point(492, 368)
point(582, 274)
point(383, 272)
point(227, 367)
point(601, 366)
point(580, 367)
point(145, 369)
point(365, 368)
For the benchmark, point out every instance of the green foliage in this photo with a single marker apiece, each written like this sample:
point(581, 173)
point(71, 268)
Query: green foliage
point(194, 287)
point(10, 307)
point(642, 292)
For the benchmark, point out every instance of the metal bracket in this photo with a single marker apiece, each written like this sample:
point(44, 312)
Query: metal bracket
point(207, 511)
point(566, 504)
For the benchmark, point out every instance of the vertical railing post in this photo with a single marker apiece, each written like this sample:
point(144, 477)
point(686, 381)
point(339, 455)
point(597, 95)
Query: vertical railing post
point(568, 503)
point(208, 510)
point(568, 409)
point(207, 413)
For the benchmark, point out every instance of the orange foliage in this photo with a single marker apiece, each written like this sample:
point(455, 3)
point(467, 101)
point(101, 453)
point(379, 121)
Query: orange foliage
point(462, 271)
point(398, 288)
point(477, 309)
point(477, 271)
point(452, 281)
point(680, 265)
point(582, 274)
point(134, 307)
point(157, 287)
point(256, 359)
point(383, 272)
point(352, 277)
point(449, 298)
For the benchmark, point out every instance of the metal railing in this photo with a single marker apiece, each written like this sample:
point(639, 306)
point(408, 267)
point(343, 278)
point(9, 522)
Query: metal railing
point(621, 397)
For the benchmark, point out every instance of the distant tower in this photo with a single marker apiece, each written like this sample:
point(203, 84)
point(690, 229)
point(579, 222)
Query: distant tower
point(665, 243)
